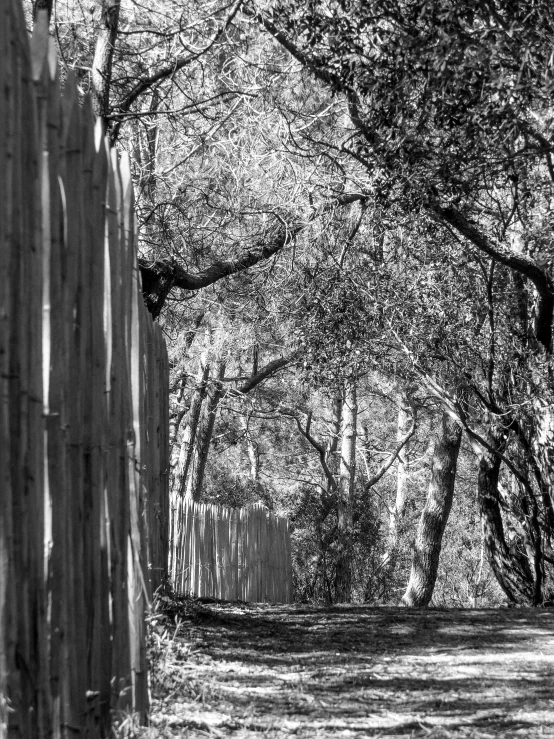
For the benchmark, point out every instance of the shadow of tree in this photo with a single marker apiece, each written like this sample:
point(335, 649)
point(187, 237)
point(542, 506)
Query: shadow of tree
point(376, 671)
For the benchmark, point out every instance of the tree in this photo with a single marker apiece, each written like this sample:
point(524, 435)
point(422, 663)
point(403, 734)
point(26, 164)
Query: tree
point(406, 424)
point(389, 221)
point(465, 144)
point(428, 540)
point(345, 502)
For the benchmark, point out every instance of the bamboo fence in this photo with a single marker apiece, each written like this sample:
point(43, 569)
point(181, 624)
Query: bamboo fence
point(83, 410)
point(230, 553)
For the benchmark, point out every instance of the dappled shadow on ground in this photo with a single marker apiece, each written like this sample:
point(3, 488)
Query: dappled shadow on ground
point(245, 671)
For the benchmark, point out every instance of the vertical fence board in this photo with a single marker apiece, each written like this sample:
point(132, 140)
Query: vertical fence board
point(7, 580)
point(23, 186)
point(232, 554)
point(82, 503)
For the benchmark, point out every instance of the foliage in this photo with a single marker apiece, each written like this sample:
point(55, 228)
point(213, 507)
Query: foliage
point(384, 170)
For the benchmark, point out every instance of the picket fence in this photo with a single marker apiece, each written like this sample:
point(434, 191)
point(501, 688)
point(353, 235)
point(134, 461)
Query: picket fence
point(230, 553)
point(83, 410)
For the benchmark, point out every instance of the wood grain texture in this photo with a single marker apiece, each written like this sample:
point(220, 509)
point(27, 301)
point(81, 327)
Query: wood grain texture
point(83, 410)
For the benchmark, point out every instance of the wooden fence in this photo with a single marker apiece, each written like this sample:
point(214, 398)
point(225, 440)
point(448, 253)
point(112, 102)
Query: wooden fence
point(83, 410)
point(230, 553)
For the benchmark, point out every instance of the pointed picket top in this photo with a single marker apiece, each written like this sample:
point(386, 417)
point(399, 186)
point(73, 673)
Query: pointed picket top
point(99, 135)
point(53, 66)
point(87, 128)
point(100, 166)
point(126, 181)
point(71, 113)
point(39, 44)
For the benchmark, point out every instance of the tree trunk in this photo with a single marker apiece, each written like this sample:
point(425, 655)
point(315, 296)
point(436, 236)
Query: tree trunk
point(189, 434)
point(435, 514)
point(333, 441)
point(103, 59)
point(405, 422)
point(252, 449)
point(347, 473)
point(205, 433)
point(510, 568)
point(543, 456)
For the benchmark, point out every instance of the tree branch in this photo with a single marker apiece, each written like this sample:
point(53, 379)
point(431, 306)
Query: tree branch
point(170, 69)
point(388, 463)
point(521, 263)
point(268, 371)
point(159, 277)
point(320, 449)
point(517, 261)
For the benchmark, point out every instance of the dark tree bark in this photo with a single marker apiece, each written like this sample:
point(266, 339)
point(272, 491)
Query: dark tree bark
point(205, 433)
point(160, 276)
point(517, 261)
point(270, 369)
point(435, 514)
point(333, 441)
point(511, 568)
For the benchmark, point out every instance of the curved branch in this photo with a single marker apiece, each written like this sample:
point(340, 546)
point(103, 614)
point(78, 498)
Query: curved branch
point(268, 371)
point(146, 83)
point(286, 43)
point(159, 277)
point(388, 463)
point(320, 449)
point(516, 261)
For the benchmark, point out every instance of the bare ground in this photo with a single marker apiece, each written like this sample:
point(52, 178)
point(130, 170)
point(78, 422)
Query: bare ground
point(245, 671)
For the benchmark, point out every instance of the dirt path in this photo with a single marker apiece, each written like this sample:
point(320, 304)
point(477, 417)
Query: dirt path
point(249, 671)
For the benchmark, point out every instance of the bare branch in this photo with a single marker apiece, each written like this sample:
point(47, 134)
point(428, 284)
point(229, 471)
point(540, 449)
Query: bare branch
point(390, 461)
point(169, 70)
point(268, 371)
point(320, 449)
point(517, 261)
point(161, 276)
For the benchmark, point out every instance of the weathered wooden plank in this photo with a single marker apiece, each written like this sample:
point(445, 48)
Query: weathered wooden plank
point(211, 553)
point(99, 626)
point(165, 446)
point(78, 399)
point(233, 563)
point(25, 390)
point(186, 563)
point(55, 364)
point(7, 574)
point(69, 334)
point(117, 463)
point(231, 553)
